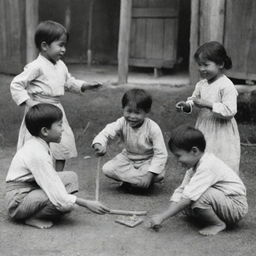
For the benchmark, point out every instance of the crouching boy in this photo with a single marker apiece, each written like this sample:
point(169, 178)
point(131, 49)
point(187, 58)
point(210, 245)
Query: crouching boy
point(210, 191)
point(35, 193)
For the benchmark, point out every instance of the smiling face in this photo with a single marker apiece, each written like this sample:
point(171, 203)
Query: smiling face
point(56, 50)
point(134, 116)
point(209, 70)
point(187, 158)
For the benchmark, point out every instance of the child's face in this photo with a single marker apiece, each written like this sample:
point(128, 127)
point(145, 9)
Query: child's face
point(54, 133)
point(134, 116)
point(56, 49)
point(209, 70)
point(187, 158)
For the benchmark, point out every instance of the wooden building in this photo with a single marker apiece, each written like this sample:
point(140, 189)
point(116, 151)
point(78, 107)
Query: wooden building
point(151, 33)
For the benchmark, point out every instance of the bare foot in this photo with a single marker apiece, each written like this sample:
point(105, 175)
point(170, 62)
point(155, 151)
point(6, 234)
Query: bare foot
point(39, 223)
point(212, 230)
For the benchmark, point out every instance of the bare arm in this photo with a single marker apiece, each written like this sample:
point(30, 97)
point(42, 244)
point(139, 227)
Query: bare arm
point(172, 210)
point(93, 206)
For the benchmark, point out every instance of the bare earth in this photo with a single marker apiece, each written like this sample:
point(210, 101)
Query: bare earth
point(84, 233)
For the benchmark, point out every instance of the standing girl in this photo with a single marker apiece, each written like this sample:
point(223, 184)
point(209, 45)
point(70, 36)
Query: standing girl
point(216, 96)
point(44, 80)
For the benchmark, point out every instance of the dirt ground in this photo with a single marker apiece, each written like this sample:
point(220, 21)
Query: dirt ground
point(85, 234)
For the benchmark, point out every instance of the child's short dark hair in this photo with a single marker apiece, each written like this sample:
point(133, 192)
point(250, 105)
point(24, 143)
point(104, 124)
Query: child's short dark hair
point(42, 115)
point(186, 137)
point(213, 51)
point(138, 98)
point(49, 31)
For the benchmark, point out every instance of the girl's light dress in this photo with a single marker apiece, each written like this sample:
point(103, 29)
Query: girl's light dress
point(45, 82)
point(219, 125)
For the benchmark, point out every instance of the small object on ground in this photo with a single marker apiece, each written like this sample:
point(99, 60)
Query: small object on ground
point(87, 157)
point(125, 212)
point(156, 227)
point(129, 221)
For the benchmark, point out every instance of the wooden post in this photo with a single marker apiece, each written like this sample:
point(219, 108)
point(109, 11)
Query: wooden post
point(68, 15)
point(31, 23)
point(124, 40)
point(89, 42)
point(207, 24)
point(194, 40)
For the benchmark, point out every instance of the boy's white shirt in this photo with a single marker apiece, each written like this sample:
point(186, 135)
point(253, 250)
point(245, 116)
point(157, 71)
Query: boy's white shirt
point(33, 162)
point(42, 77)
point(141, 143)
point(210, 172)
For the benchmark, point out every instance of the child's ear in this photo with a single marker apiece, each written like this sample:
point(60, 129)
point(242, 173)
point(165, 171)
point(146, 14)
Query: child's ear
point(44, 131)
point(44, 46)
point(221, 66)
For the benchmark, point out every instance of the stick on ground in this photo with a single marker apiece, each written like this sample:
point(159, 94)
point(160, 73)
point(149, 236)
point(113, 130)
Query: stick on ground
point(97, 181)
point(125, 212)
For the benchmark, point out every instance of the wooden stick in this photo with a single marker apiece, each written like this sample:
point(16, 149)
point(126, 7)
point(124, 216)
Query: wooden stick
point(97, 181)
point(125, 212)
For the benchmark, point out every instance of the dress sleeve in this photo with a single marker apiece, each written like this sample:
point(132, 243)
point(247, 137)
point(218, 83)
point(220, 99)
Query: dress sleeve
point(227, 108)
point(160, 154)
point(21, 82)
point(109, 132)
point(47, 178)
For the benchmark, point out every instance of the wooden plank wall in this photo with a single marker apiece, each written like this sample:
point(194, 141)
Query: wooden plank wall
point(154, 28)
point(12, 36)
point(240, 37)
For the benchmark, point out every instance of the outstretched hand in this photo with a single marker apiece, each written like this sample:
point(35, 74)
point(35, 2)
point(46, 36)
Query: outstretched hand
point(97, 207)
point(91, 86)
point(155, 222)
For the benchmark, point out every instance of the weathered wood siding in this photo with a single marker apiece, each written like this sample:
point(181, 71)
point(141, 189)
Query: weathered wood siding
point(240, 37)
point(12, 36)
point(154, 33)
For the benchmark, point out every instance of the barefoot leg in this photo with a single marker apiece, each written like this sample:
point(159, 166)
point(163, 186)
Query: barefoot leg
point(215, 226)
point(39, 223)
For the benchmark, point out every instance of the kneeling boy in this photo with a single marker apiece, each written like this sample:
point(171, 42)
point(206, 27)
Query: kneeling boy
point(35, 193)
point(210, 191)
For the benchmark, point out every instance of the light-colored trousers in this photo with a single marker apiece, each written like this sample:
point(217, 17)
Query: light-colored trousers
point(121, 168)
point(27, 202)
point(230, 209)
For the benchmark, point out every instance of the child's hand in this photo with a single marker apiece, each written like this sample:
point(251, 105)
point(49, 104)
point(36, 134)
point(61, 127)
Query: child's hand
point(147, 179)
point(183, 106)
point(97, 207)
point(91, 86)
point(180, 105)
point(99, 150)
point(155, 222)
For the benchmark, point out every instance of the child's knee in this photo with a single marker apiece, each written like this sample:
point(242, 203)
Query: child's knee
point(107, 169)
